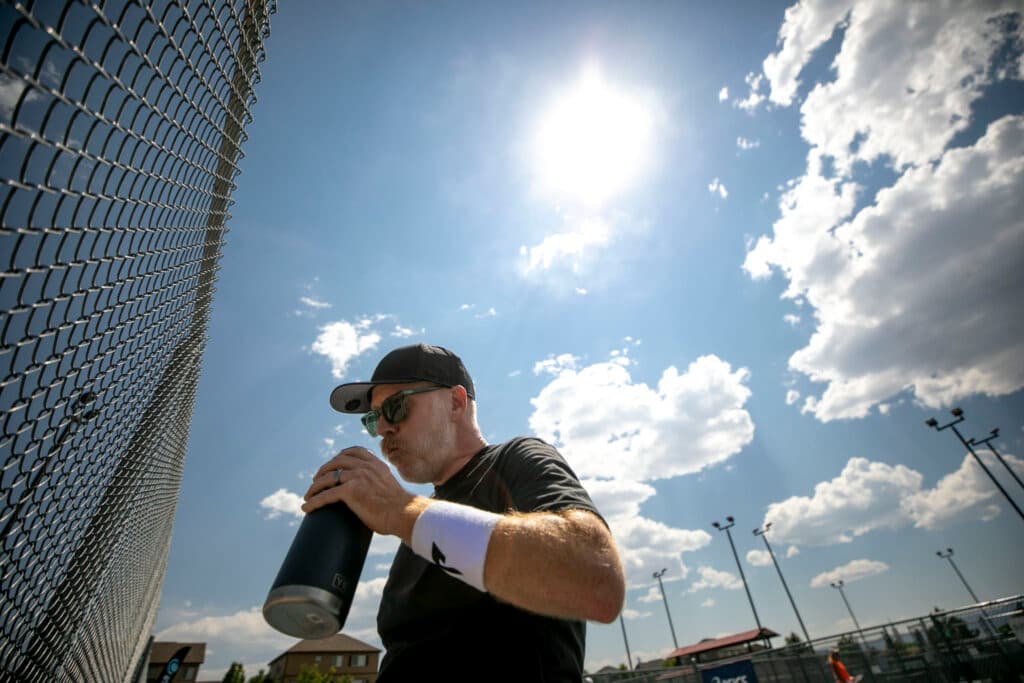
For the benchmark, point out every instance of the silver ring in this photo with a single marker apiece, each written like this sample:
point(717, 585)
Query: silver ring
point(337, 477)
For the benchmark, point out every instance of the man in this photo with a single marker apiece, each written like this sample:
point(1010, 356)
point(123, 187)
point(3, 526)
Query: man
point(501, 567)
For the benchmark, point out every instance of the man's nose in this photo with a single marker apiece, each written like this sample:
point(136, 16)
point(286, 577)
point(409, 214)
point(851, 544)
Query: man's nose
point(384, 427)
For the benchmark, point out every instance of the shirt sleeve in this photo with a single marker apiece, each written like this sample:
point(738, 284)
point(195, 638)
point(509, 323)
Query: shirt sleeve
point(539, 479)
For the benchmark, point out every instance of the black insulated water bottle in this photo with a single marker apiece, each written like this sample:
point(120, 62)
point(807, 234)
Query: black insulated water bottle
point(313, 592)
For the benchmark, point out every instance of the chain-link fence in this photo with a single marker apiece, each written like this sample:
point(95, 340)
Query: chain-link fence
point(120, 128)
point(982, 642)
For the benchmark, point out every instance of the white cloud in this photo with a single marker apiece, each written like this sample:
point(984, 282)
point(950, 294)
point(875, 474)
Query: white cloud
point(554, 365)
point(792, 319)
point(883, 279)
point(723, 94)
point(313, 303)
point(515, 373)
point(403, 332)
point(868, 496)
point(864, 497)
point(581, 291)
point(632, 614)
point(746, 144)
point(710, 602)
point(241, 636)
point(566, 248)
point(646, 546)
point(755, 96)
point(715, 578)
point(282, 502)
point(342, 341)
point(850, 572)
point(489, 313)
point(716, 186)
point(967, 492)
point(759, 558)
point(792, 396)
point(793, 551)
point(607, 426)
point(653, 595)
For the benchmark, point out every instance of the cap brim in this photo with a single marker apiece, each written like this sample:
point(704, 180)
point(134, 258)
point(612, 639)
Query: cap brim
point(355, 396)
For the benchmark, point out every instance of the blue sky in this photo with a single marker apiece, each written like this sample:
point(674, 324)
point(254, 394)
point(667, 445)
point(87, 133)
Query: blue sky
point(728, 259)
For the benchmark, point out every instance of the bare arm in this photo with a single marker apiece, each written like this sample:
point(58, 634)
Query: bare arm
point(558, 564)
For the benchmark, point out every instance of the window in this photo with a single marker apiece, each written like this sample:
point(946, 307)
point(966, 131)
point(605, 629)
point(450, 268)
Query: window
point(317, 659)
point(188, 673)
point(357, 660)
point(339, 660)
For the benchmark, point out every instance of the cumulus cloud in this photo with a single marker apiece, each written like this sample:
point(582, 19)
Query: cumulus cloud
point(565, 248)
point(792, 396)
point(554, 365)
point(608, 426)
point(710, 602)
point(715, 578)
point(868, 496)
point(282, 502)
point(755, 93)
point(632, 614)
point(792, 319)
point(967, 492)
point(745, 144)
point(646, 546)
point(884, 279)
point(342, 341)
point(723, 94)
point(715, 186)
point(793, 551)
point(759, 558)
point(850, 572)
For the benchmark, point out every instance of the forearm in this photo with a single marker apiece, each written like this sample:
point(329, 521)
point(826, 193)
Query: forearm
point(557, 564)
point(562, 565)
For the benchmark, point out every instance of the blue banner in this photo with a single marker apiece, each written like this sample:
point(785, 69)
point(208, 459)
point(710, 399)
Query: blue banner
point(737, 672)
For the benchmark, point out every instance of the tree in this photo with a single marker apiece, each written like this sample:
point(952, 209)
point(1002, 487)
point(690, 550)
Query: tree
point(261, 677)
point(310, 674)
point(235, 674)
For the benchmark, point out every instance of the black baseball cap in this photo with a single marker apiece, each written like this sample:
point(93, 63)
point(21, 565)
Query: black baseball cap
point(405, 365)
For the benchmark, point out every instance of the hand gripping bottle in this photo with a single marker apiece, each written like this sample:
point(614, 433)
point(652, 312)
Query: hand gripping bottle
point(313, 592)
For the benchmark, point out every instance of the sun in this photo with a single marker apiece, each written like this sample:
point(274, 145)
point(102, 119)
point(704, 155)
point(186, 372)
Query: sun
point(593, 142)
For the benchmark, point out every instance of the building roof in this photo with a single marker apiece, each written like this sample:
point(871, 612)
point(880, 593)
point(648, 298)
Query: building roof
point(709, 644)
point(339, 642)
point(161, 652)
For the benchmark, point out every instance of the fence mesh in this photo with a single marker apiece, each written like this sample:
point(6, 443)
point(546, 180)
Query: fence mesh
point(983, 642)
point(121, 124)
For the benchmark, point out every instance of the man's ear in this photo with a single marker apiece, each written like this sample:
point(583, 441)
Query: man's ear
point(460, 399)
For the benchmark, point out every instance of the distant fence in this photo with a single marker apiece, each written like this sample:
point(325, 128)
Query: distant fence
point(121, 123)
point(979, 642)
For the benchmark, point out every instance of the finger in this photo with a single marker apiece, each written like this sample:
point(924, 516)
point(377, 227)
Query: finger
point(334, 494)
point(356, 452)
point(330, 480)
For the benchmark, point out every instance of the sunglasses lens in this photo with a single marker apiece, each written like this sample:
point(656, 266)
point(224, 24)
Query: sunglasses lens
point(370, 422)
point(393, 409)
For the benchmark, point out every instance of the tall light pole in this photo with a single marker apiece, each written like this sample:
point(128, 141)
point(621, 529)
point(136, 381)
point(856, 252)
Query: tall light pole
point(838, 585)
point(959, 415)
point(658, 576)
point(730, 522)
point(764, 537)
point(987, 442)
point(629, 657)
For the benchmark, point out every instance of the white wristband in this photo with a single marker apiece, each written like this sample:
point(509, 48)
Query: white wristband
point(455, 538)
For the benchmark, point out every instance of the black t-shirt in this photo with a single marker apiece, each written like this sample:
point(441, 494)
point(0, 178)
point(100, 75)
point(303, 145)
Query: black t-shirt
point(434, 626)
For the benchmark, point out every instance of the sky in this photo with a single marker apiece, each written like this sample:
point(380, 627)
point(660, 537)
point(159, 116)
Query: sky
point(727, 257)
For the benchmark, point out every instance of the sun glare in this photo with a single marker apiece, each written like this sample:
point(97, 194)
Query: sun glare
point(593, 142)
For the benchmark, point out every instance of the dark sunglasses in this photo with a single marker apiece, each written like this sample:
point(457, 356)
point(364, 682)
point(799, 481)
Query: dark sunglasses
point(393, 408)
